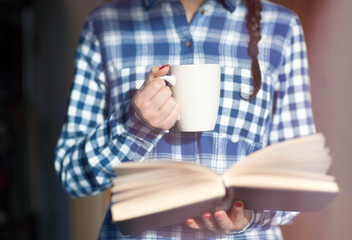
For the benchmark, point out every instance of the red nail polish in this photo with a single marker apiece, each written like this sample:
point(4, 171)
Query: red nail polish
point(207, 215)
point(239, 204)
point(164, 66)
point(189, 221)
point(219, 214)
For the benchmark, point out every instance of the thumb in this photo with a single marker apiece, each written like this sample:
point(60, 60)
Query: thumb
point(237, 212)
point(163, 70)
point(152, 74)
point(240, 217)
point(157, 71)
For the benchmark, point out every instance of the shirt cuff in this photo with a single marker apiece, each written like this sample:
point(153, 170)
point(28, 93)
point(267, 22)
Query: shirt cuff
point(136, 126)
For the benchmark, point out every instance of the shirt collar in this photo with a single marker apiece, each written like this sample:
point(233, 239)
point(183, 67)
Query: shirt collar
point(229, 4)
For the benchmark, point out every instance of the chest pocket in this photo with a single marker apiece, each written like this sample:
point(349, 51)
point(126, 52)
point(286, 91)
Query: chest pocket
point(239, 118)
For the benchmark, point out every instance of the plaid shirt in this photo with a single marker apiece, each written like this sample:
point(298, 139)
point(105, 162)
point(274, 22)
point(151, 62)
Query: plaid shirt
point(119, 44)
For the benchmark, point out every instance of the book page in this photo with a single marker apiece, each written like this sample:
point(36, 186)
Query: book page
point(282, 182)
point(315, 167)
point(162, 185)
point(306, 154)
point(284, 173)
point(155, 186)
point(128, 168)
point(165, 199)
point(134, 175)
point(147, 178)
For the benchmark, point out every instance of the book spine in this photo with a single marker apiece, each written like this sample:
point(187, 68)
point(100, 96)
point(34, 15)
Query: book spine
point(225, 203)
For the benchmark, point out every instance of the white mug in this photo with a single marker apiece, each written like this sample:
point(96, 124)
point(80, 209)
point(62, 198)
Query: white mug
point(196, 87)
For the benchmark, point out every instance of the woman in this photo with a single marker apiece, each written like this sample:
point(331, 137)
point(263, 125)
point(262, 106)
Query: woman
point(120, 110)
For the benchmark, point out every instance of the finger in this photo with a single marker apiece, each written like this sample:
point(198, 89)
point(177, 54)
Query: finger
point(237, 211)
point(194, 223)
point(150, 90)
point(239, 216)
point(171, 116)
point(151, 83)
point(152, 74)
point(161, 97)
point(223, 221)
point(157, 71)
point(162, 71)
point(166, 117)
point(209, 222)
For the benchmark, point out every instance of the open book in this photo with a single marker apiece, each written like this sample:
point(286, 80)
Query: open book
point(290, 176)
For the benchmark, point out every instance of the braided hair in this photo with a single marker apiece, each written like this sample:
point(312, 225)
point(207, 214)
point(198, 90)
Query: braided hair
point(253, 18)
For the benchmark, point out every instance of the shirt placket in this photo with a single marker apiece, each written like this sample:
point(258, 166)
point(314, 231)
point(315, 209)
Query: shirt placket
point(189, 33)
point(183, 31)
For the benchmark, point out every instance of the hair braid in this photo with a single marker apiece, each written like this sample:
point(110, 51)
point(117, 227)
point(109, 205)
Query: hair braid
point(253, 27)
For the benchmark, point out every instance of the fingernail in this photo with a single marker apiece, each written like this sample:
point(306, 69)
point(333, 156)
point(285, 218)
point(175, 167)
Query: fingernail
point(207, 215)
point(189, 221)
point(219, 214)
point(164, 66)
point(239, 204)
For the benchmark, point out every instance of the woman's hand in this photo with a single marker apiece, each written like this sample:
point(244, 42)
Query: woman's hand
point(222, 222)
point(154, 101)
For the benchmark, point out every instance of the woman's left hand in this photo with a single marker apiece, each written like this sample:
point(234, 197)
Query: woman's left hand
point(221, 221)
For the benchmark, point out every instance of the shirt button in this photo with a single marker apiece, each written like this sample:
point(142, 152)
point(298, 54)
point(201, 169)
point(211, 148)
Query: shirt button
point(188, 43)
point(203, 11)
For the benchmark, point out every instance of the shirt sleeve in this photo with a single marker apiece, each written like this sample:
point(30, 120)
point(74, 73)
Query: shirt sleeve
point(292, 113)
point(93, 141)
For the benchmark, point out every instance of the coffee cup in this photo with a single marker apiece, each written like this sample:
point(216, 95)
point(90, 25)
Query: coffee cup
point(196, 87)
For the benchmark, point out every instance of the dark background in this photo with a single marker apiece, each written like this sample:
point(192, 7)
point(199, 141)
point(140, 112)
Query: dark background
point(37, 48)
point(37, 45)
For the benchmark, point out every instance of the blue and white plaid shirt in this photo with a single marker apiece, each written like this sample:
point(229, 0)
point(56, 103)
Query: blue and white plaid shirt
point(119, 44)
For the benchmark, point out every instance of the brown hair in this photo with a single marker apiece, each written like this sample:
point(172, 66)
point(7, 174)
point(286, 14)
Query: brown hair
point(253, 27)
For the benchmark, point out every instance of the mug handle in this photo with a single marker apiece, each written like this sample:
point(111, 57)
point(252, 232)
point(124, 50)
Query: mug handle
point(169, 79)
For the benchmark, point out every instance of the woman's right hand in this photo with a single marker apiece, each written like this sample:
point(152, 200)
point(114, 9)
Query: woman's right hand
point(154, 101)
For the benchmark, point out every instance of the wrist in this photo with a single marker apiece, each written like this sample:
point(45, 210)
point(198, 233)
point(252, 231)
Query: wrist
point(137, 126)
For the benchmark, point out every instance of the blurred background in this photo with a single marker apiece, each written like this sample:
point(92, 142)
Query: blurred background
point(37, 49)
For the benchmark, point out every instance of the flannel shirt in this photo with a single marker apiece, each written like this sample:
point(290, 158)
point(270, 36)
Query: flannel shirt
point(119, 44)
